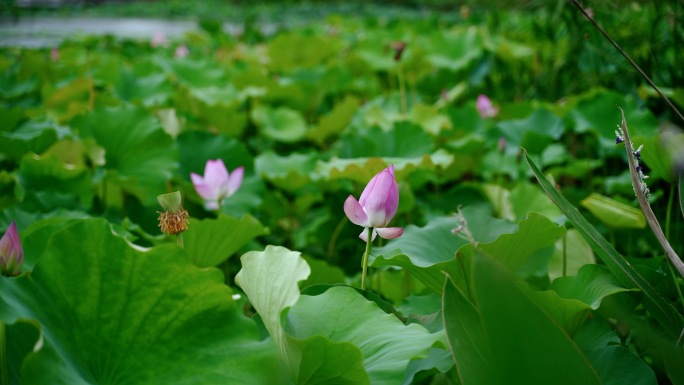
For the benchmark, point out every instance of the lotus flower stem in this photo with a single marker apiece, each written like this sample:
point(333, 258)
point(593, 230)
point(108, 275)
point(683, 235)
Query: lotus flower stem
point(565, 255)
point(3, 354)
point(364, 266)
point(402, 89)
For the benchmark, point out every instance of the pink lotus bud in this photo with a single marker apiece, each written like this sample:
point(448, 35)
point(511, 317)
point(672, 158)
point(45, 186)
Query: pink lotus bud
point(501, 144)
point(182, 51)
point(216, 183)
point(377, 206)
point(54, 54)
point(158, 39)
point(485, 107)
point(11, 252)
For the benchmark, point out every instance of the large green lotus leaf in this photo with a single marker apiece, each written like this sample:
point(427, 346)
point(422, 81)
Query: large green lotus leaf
point(32, 136)
point(430, 118)
point(17, 341)
point(363, 169)
point(528, 250)
point(515, 339)
point(595, 333)
point(592, 113)
point(591, 284)
point(209, 242)
point(404, 140)
point(69, 100)
point(214, 108)
point(12, 87)
point(282, 124)
point(50, 174)
point(323, 273)
point(427, 251)
point(294, 50)
point(468, 153)
point(616, 365)
point(613, 213)
point(535, 132)
point(671, 320)
point(662, 153)
point(120, 314)
point(211, 146)
point(11, 117)
point(382, 111)
point(467, 337)
point(454, 50)
point(576, 251)
point(344, 315)
point(527, 197)
point(270, 279)
point(290, 172)
point(139, 154)
point(528, 346)
point(336, 120)
point(569, 314)
point(194, 73)
point(327, 362)
point(150, 90)
point(35, 237)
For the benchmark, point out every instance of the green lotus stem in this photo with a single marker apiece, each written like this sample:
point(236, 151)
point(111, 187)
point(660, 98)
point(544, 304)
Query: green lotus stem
point(364, 265)
point(333, 238)
point(499, 180)
point(179, 240)
point(402, 90)
point(676, 284)
point(3, 354)
point(565, 255)
point(668, 213)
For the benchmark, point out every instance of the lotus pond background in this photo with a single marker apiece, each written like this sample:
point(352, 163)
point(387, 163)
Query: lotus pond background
point(525, 257)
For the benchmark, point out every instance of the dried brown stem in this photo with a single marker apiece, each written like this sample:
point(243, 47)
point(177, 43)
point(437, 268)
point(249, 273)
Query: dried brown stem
point(643, 202)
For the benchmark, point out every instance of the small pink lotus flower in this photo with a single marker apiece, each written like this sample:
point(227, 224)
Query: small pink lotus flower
point(11, 252)
point(158, 39)
point(217, 183)
point(54, 54)
point(485, 107)
point(377, 206)
point(182, 51)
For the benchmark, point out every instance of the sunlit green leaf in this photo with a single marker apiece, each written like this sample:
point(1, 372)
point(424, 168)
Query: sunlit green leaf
point(515, 340)
point(282, 124)
point(290, 172)
point(613, 213)
point(139, 154)
point(209, 242)
point(270, 279)
point(343, 315)
point(133, 315)
point(572, 252)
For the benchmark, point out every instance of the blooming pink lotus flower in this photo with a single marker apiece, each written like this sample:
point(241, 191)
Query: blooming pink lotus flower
point(485, 107)
point(182, 51)
point(11, 252)
point(54, 54)
point(158, 39)
point(377, 206)
point(217, 183)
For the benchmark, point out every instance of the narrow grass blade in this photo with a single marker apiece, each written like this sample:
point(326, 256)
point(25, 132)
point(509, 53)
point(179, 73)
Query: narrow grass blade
point(671, 320)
